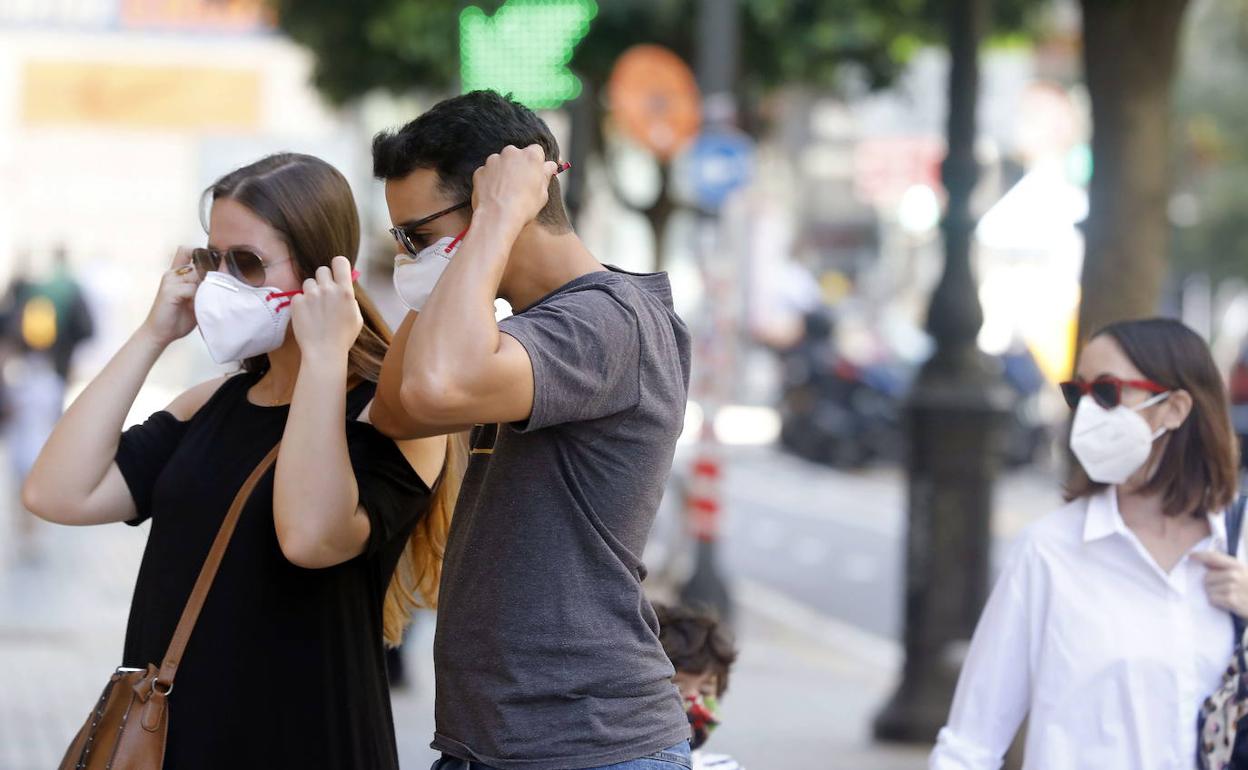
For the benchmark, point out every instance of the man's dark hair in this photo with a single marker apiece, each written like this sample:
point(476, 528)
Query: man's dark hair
point(456, 137)
point(696, 642)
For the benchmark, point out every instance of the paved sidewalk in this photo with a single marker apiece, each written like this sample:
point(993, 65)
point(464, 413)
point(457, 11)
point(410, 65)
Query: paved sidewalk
point(62, 622)
point(796, 701)
point(801, 697)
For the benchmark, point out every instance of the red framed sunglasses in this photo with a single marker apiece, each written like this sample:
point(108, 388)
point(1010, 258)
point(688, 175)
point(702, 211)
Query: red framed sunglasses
point(1106, 391)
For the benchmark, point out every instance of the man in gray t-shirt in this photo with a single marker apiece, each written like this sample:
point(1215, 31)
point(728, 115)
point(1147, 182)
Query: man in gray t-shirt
point(547, 652)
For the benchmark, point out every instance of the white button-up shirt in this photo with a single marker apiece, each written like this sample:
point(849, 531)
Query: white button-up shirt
point(1108, 655)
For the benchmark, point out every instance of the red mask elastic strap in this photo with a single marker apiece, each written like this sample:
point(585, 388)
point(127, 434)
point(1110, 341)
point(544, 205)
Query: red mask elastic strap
point(455, 242)
point(355, 276)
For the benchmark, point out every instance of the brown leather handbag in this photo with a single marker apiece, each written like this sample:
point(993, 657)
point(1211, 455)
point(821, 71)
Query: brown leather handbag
point(128, 726)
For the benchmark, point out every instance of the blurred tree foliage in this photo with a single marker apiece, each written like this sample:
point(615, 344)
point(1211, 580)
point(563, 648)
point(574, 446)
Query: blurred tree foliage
point(1211, 144)
point(402, 45)
point(408, 45)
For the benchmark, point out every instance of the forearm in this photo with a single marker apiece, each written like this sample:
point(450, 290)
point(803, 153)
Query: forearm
point(387, 413)
point(315, 498)
point(83, 445)
point(452, 340)
point(993, 693)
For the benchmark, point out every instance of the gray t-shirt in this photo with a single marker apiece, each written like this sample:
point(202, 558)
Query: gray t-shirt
point(547, 652)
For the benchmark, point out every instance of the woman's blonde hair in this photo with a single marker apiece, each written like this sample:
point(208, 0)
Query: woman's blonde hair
point(419, 571)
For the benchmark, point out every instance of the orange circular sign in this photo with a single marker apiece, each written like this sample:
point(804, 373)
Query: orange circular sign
point(655, 99)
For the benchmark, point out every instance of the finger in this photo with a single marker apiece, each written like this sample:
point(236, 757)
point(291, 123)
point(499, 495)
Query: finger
point(297, 309)
point(181, 257)
point(309, 286)
point(1215, 559)
point(187, 275)
point(341, 267)
point(1225, 575)
point(552, 167)
point(1220, 587)
point(1223, 591)
point(324, 276)
point(183, 291)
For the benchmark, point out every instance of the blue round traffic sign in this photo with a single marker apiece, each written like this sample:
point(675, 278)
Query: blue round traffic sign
point(718, 162)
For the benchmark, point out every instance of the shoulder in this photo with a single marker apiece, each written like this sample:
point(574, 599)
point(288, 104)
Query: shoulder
point(591, 314)
point(1059, 525)
point(1058, 531)
point(592, 295)
point(425, 456)
point(188, 404)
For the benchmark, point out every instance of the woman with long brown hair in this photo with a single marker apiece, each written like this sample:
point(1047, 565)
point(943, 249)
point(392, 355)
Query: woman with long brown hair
point(337, 544)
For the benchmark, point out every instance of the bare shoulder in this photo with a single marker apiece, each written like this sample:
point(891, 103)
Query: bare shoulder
point(425, 455)
point(186, 405)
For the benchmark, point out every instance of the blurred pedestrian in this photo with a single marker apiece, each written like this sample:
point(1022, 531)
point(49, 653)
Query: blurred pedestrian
point(702, 652)
point(546, 652)
point(71, 323)
point(294, 622)
point(43, 323)
point(1106, 628)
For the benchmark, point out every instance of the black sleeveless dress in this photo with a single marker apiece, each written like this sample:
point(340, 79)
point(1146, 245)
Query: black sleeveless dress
point(286, 666)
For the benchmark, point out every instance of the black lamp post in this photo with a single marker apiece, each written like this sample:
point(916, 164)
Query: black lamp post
point(953, 418)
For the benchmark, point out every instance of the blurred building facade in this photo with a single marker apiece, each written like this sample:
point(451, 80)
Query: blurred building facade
point(114, 117)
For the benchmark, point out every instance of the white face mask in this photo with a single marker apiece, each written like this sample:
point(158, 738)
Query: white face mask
point(238, 321)
point(415, 277)
point(1112, 444)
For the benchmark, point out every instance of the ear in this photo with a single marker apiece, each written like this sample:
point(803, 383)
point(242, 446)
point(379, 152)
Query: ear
point(1176, 409)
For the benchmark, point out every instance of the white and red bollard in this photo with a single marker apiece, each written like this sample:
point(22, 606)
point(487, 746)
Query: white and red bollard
point(703, 507)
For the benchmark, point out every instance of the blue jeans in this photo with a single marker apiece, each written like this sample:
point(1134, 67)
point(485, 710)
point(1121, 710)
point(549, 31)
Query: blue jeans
point(675, 758)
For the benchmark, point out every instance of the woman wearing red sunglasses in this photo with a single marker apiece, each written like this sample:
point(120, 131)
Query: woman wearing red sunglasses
point(1108, 626)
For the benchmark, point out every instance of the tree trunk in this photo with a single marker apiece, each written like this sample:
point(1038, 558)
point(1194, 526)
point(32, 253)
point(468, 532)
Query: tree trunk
point(1129, 48)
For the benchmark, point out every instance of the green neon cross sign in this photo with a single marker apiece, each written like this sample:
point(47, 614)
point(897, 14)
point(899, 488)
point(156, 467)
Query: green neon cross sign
point(524, 49)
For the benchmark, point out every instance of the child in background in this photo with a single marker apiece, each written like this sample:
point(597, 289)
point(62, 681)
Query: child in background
point(702, 651)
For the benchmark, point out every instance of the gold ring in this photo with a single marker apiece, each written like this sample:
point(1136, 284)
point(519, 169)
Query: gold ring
point(184, 270)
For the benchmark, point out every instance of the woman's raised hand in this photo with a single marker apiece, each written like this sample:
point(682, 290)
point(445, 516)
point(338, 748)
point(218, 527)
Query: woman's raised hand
point(326, 317)
point(173, 312)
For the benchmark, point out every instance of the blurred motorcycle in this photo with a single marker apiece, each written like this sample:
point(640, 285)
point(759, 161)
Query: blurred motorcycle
point(844, 414)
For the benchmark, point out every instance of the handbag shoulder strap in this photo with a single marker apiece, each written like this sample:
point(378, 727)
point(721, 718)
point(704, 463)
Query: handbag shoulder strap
point(1234, 527)
point(1235, 524)
point(207, 573)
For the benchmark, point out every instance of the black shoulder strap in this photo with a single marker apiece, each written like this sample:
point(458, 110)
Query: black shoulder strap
point(1235, 524)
